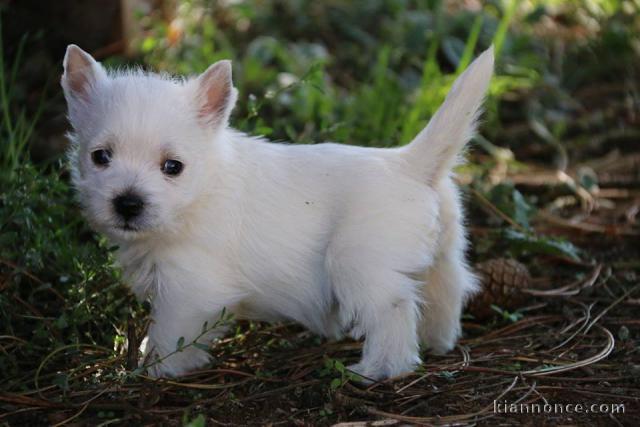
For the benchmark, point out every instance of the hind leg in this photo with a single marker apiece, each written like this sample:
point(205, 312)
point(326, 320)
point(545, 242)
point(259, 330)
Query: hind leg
point(391, 345)
point(449, 281)
point(371, 260)
point(383, 307)
point(448, 284)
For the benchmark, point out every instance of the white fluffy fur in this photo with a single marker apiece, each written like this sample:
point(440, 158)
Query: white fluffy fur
point(345, 240)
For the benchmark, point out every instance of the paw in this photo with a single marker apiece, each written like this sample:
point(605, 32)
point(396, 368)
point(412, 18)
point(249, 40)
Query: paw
point(439, 341)
point(151, 364)
point(368, 374)
point(172, 364)
point(440, 350)
point(156, 370)
point(176, 365)
point(440, 347)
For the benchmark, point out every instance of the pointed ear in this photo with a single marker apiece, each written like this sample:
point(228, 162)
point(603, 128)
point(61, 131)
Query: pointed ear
point(216, 95)
point(81, 74)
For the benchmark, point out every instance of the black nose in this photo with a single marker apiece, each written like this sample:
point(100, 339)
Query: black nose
point(128, 205)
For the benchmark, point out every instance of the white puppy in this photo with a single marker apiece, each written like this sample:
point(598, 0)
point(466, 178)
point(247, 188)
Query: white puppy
point(345, 240)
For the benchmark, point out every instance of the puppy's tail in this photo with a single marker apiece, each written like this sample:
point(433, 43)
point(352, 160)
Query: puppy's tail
point(435, 151)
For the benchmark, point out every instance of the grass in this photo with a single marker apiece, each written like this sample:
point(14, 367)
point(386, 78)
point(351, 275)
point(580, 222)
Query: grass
point(16, 131)
point(54, 269)
point(552, 183)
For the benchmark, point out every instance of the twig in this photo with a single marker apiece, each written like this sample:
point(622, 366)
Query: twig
point(580, 364)
point(613, 304)
point(486, 203)
point(445, 419)
point(568, 290)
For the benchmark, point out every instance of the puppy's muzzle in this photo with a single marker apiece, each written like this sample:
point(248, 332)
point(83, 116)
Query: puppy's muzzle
point(128, 205)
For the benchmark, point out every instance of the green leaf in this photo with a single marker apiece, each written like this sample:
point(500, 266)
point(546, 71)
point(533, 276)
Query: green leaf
point(61, 322)
point(149, 44)
point(180, 344)
point(506, 315)
point(588, 178)
point(201, 346)
point(510, 201)
point(521, 243)
point(623, 333)
point(448, 375)
point(453, 49)
point(335, 383)
point(264, 130)
point(328, 363)
point(198, 421)
point(521, 209)
point(62, 381)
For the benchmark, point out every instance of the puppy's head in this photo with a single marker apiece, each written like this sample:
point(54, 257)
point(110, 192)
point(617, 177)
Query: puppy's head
point(144, 145)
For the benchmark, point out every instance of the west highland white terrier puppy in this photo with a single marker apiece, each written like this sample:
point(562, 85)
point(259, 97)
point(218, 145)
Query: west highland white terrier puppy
point(366, 242)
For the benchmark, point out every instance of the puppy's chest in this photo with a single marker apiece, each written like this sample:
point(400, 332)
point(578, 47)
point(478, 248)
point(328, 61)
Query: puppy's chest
point(242, 275)
point(139, 271)
point(173, 269)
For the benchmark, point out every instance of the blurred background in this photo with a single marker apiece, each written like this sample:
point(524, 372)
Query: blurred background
point(363, 72)
point(552, 183)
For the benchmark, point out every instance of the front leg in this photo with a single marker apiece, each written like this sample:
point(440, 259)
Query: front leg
point(168, 350)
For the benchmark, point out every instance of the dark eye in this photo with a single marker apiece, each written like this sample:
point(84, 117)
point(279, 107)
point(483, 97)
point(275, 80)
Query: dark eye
point(101, 157)
point(172, 167)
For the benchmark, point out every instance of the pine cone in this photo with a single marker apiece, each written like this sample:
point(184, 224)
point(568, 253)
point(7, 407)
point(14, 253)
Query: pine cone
point(502, 279)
